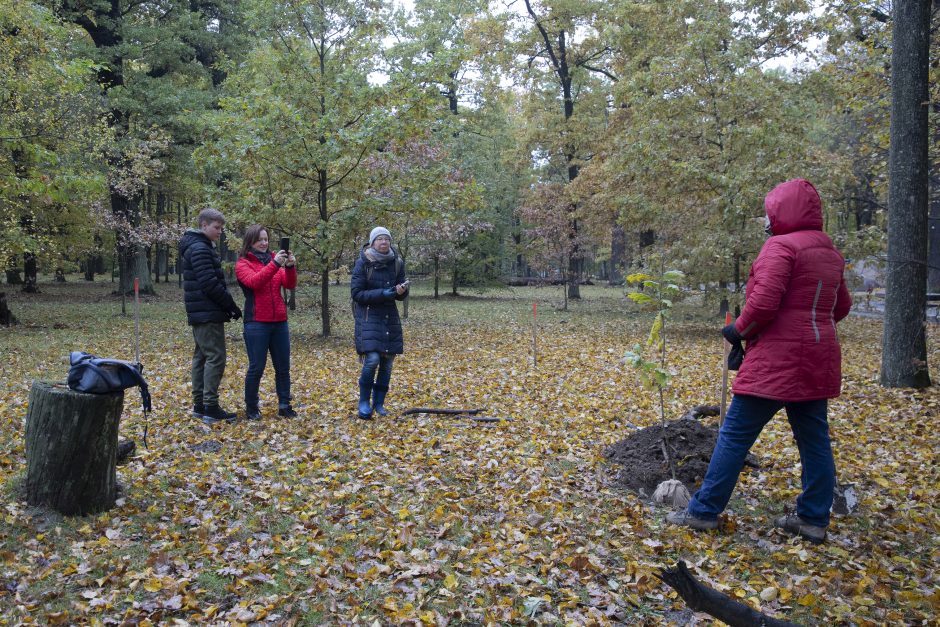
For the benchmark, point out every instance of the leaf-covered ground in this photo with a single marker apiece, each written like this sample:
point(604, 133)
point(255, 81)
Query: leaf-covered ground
point(435, 520)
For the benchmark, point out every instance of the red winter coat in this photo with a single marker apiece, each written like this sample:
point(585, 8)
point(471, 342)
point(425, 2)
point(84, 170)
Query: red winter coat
point(261, 283)
point(795, 296)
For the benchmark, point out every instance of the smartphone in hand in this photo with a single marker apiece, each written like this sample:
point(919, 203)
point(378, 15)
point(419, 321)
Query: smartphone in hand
point(285, 244)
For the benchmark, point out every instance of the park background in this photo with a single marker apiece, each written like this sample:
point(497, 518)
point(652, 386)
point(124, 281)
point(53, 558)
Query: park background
point(519, 152)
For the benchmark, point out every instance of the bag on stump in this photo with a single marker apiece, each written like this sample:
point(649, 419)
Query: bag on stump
point(96, 375)
point(71, 449)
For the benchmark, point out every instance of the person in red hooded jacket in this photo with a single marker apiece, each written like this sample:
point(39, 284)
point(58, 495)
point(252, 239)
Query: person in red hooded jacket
point(796, 294)
point(261, 276)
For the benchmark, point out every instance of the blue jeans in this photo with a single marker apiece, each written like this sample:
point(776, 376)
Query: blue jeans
point(260, 339)
point(372, 362)
point(745, 419)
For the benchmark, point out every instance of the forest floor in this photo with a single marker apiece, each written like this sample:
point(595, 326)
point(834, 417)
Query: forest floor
point(440, 520)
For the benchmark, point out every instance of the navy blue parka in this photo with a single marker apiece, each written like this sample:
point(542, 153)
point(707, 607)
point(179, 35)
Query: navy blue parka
point(205, 294)
point(378, 326)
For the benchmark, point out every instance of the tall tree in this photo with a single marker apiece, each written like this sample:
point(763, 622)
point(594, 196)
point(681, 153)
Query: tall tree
point(904, 345)
point(701, 130)
point(299, 120)
point(156, 65)
point(565, 43)
point(48, 130)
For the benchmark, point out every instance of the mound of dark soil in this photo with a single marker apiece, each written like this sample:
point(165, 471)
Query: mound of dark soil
point(641, 455)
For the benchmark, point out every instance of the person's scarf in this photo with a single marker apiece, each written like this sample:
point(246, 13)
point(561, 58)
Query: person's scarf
point(376, 257)
point(265, 257)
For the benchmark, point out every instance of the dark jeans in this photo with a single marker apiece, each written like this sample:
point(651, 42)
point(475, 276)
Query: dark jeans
point(745, 419)
point(208, 362)
point(260, 339)
point(372, 362)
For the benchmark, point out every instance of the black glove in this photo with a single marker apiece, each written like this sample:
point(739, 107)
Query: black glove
point(236, 313)
point(736, 356)
point(731, 334)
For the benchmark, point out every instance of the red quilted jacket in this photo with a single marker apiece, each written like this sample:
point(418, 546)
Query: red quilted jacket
point(795, 296)
point(261, 284)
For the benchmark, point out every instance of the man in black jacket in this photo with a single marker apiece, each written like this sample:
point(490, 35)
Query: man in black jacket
point(209, 305)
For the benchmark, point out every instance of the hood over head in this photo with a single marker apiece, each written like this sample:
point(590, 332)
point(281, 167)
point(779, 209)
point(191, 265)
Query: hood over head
point(794, 206)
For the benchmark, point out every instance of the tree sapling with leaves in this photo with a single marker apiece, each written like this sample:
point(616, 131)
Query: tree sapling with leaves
point(658, 293)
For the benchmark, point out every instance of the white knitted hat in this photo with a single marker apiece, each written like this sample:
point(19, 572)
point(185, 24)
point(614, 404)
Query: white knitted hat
point(379, 230)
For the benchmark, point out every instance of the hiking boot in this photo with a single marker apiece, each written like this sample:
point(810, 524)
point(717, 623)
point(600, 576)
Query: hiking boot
point(793, 524)
point(685, 519)
point(252, 413)
point(214, 414)
point(286, 412)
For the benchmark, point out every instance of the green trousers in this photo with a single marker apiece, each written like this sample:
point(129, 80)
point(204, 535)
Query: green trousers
point(208, 362)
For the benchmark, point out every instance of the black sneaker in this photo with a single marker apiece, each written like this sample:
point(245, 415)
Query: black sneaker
point(286, 412)
point(198, 410)
point(214, 414)
point(252, 413)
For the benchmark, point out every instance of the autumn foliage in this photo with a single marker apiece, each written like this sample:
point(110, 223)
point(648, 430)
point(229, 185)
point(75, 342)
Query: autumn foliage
point(437, 520)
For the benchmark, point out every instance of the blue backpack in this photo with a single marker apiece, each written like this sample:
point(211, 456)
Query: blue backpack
point(95, 375)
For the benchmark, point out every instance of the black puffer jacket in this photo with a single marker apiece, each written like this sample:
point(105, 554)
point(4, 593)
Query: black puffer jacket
point(378, 327)
point(205, 294)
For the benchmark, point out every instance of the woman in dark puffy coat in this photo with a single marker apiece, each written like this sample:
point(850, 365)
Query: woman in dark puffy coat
point(378, 280)
point(796, 294)
point(261, 276)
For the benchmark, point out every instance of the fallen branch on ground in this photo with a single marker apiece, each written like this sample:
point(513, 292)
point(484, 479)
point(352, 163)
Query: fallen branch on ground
point(431, 410)
point(701, 598)
point(470, 414)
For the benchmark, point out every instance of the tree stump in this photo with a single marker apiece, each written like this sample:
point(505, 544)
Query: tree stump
point(71, 449)
point(6, 316)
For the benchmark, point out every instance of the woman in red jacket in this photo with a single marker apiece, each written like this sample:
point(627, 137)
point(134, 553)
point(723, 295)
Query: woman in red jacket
point(795, 296)
point(261, 277)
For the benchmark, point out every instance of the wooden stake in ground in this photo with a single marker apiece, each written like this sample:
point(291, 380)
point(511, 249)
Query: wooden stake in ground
point(726, 346)
point(71, 449)
point(137, 320)
point(535, 350)
point(137, 346)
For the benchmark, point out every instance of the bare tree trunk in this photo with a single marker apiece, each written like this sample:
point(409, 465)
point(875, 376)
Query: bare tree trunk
point(13, 273)
point(933, 269)
point(30, 273)
point(904, 345)
point(325, 299)
point(6, 316)
point(618, 250)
